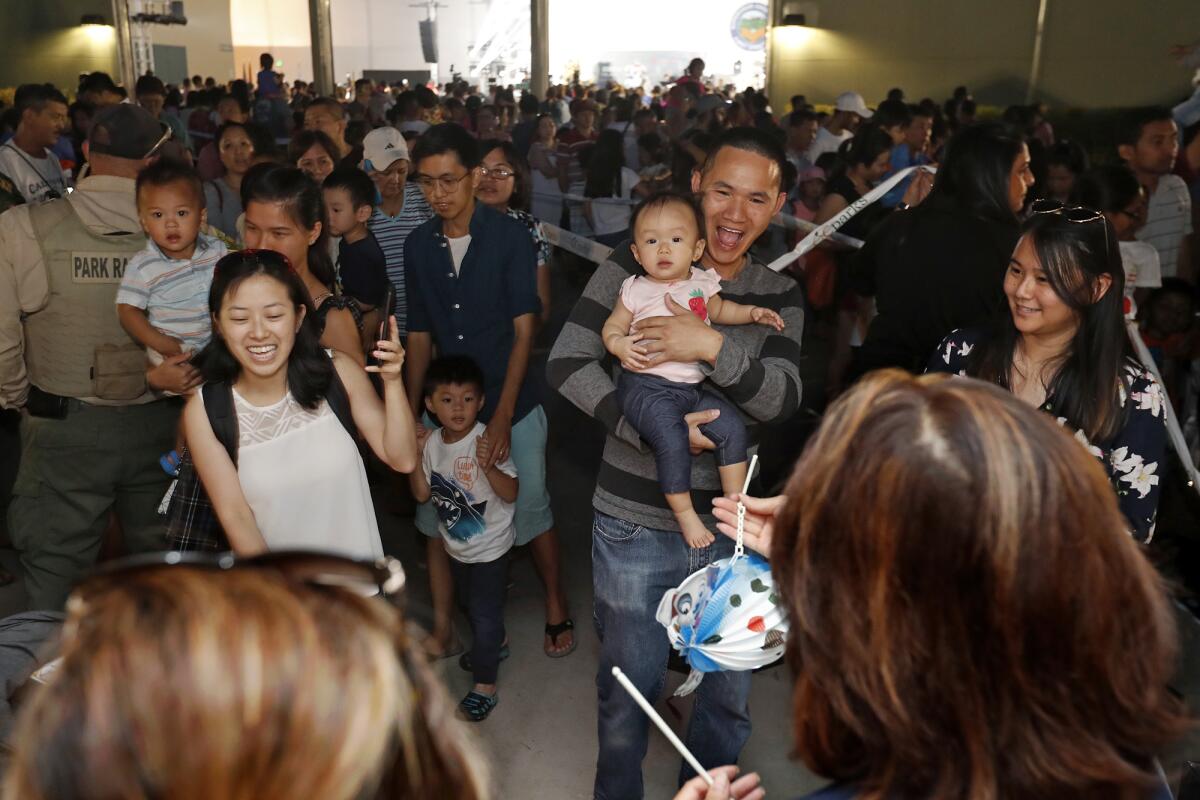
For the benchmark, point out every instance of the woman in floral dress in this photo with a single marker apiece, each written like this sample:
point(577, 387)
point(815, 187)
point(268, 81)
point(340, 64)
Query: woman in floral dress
point(1063, 348)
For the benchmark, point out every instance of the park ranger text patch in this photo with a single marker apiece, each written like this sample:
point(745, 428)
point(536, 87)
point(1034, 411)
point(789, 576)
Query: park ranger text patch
point(98, 267)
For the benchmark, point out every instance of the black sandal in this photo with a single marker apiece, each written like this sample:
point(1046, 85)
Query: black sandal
point(554, 631)
point(476, 706)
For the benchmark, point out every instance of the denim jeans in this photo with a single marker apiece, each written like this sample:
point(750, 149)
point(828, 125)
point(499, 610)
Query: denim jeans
point(632, 567)
point(480, 589)
point(655, 407)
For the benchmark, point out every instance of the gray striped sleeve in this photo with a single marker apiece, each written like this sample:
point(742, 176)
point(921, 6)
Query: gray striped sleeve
point(757, 368)
point(578, 365)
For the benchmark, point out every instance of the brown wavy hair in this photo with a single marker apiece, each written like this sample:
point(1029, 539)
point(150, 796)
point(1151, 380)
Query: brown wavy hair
point(183, 683)
point(969, 618)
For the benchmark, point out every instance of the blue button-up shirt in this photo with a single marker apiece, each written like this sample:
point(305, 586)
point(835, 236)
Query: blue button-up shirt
point(471, 313)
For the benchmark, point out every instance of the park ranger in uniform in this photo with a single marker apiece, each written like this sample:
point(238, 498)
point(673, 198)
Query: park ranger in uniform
point(91, 428)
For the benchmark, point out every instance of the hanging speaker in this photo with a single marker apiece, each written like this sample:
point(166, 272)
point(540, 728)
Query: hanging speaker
point(429, 40)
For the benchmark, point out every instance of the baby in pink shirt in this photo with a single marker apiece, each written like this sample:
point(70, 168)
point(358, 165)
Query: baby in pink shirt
point(655, 398)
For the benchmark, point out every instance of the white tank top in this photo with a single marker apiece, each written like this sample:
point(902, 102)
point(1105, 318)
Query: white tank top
point(304, 479)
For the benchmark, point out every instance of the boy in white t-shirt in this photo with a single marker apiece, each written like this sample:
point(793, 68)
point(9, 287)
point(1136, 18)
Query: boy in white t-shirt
point(475, 514)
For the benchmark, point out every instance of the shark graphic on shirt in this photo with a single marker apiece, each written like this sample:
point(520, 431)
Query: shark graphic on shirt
point(459, 514)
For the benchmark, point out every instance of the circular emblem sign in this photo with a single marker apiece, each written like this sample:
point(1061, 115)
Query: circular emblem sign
point(749, 26)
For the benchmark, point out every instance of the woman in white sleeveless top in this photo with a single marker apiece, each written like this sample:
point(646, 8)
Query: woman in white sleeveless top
point(299, 481)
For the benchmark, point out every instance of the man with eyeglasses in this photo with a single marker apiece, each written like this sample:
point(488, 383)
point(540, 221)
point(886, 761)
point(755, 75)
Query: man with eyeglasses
point(472, 291)
point(91, 427)
point(26, 158)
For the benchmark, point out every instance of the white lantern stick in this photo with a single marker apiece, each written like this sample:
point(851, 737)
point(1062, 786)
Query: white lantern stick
point(739, 548)
point(662, 725)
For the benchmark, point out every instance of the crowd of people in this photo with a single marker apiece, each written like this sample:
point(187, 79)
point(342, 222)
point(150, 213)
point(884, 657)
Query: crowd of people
point(227, 311)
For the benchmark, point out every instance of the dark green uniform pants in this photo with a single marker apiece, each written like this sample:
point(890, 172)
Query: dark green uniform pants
point(73, 471)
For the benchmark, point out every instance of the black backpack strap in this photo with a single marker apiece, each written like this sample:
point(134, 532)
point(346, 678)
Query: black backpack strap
point(218, 405)
point(339, 403)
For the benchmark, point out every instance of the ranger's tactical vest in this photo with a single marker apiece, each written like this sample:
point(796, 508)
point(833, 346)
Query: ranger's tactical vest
point(75, 346)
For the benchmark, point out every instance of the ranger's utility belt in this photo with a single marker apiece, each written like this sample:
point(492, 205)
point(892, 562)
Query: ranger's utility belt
point(46, 405)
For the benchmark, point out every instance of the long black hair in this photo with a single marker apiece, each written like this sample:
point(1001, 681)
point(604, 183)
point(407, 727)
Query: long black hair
point(302, 199)
point(1090, 376)
point(603, 169)
point(974, 175)
point(309, 369)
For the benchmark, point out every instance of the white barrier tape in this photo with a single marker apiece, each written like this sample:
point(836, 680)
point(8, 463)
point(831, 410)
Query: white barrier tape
point(1174, 431)
point(797, 224)
point(826, 230)
point(578, 198)
point(598, 253)
point(574, 243)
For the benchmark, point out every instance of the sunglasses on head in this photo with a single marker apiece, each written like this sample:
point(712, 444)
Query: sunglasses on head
point(384, 576)
point(1070, 213)
point(166, 136)
point(1076, 214)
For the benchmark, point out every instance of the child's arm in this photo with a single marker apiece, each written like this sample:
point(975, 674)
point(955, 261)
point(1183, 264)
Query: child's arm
point(725, 312)
point(503, 484)
point(618, 340)
point(418, 481)
point(137, 325)
point(341, 334)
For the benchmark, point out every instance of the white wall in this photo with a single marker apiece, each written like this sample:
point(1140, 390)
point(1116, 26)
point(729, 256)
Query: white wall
point(279, 27)
point(207, 37)
point(383, 34)
point(585, 32)
point(367, 34)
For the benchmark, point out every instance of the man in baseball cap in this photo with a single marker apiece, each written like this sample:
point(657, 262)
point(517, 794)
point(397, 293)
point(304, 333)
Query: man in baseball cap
point(125, 131)
point(849, 111)
point(78, 377)
point(852, 103)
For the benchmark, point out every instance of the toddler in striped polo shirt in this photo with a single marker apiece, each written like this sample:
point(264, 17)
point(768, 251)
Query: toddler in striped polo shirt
point(163, 298)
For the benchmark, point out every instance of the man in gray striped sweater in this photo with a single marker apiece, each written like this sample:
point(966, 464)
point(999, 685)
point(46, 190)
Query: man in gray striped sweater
point(637, 551)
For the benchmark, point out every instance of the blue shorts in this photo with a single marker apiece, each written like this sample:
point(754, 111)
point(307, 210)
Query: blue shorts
point(528, 453)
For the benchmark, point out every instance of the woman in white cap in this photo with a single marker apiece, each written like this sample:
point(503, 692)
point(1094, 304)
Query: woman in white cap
point(400, 208)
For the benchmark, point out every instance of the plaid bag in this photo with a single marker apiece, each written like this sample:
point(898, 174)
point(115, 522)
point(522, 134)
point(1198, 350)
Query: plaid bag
point(192, 522)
